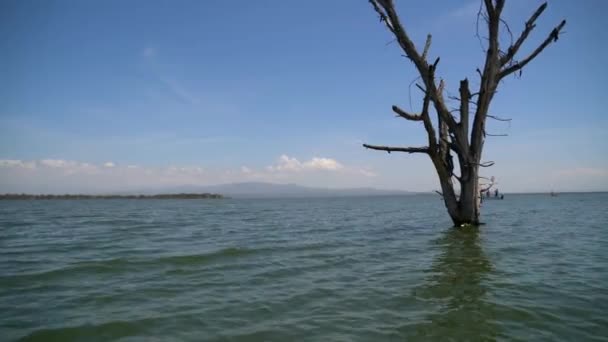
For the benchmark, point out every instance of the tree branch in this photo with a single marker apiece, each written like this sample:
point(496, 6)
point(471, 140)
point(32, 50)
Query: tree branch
point(442, 127)
point(412, 117)
point(387, 13)
point(489, 7)
point(465, 97)
point(486, 189)
point(390, 149)
point(427, 46)
point(553, 37)
point(530, 25)
point(489, 77)
point(382, 15)
point(428, 125)
point(485, 17)
point(500, 4)
point(455, 148)
point(508, 29)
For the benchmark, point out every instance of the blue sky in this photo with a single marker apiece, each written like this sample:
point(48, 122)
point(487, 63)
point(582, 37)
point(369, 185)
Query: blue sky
point(141, 93)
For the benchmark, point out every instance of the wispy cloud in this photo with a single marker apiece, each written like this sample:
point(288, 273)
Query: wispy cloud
point(175, 88)
point(11, 163)
point(179, 91)
point(65, 166)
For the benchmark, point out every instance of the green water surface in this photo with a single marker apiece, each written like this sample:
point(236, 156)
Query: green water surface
point(332, 269)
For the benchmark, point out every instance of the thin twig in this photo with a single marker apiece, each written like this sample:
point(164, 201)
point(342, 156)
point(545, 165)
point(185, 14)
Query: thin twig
point(497, 118)
point(479, 14)
point(410, 90)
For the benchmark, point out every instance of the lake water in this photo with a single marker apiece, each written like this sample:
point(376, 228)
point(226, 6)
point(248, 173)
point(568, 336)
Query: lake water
point(332, 269)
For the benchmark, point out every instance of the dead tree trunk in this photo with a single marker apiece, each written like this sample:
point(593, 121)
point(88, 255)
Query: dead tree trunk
point(461, 137)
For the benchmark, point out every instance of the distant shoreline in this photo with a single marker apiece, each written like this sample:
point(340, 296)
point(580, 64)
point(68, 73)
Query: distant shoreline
point(87, 197)
point(208, 195)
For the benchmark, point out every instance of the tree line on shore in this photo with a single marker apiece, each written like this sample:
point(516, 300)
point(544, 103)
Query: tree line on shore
point(82, 196)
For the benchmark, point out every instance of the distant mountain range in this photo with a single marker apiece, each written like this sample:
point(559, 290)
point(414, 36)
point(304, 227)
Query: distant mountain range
point(268, 190)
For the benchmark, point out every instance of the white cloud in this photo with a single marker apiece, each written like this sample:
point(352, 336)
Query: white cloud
point(59, 175)
point(55, 163)
point(11, 163)
point(286, 163)
point(323, 164)
point(186, 170)
point(66, 166)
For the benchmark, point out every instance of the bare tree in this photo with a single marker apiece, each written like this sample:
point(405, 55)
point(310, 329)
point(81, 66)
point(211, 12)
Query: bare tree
point(460, 136)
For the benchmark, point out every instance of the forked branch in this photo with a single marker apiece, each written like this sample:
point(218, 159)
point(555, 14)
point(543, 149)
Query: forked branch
point(530, 25)
point(553, 37)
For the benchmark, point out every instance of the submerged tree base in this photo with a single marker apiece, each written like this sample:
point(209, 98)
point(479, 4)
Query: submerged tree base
point(469, 225)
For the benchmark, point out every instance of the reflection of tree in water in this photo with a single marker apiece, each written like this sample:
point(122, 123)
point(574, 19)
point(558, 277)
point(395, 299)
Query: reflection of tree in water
point(456, 288)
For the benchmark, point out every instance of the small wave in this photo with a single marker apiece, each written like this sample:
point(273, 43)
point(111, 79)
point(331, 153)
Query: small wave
point(193, 259)
point(104, 331)
point(123, 264)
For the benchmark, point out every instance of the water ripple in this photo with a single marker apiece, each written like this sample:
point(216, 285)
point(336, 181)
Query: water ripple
point(343, 269)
